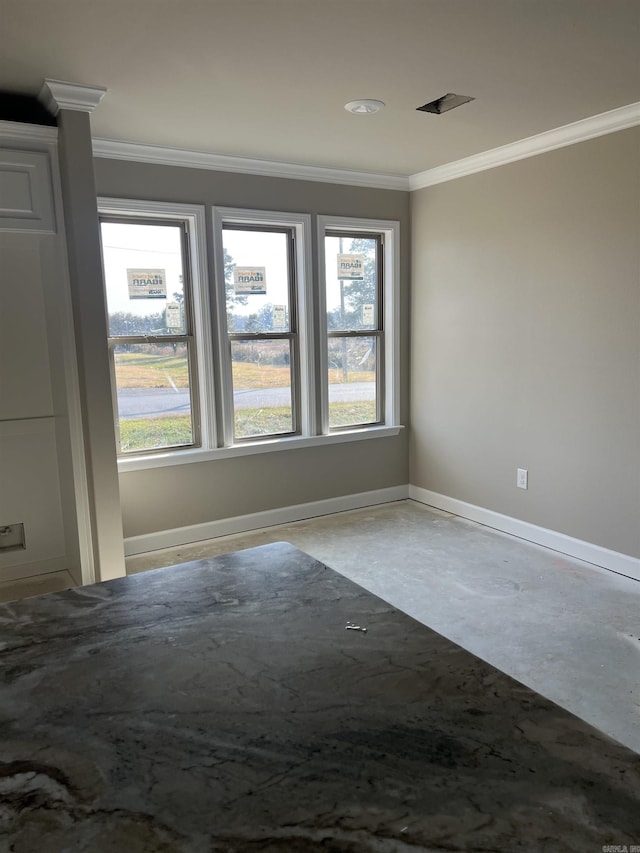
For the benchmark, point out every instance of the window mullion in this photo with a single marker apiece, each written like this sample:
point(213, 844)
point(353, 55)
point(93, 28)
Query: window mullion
point(114, 391)
point(223, 360)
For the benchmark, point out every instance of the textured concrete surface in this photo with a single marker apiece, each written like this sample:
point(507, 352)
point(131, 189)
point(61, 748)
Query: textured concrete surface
point(567, 629)
point(222, 705)
point(37, 585)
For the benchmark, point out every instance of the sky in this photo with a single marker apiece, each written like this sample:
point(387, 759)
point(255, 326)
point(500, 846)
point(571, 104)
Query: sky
point(135, 246)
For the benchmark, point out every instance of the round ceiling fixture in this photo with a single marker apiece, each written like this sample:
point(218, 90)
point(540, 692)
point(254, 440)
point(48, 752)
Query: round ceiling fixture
point(364, 106)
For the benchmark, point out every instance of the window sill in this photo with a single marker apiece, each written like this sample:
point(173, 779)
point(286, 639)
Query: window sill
point(182, 457)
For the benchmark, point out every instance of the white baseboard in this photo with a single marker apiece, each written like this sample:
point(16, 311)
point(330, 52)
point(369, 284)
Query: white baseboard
point(20, 571)
point(255, 521)
point(603, 557)
point(581, 550)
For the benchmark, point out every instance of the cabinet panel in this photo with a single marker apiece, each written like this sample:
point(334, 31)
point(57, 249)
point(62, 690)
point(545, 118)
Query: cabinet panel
point(30, 495)
point(25, 382)
point(26, 202)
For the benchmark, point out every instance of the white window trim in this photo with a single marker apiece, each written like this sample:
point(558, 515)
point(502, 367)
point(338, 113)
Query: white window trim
point(390, 230)
point(311, 388)
point(269, 445)
point(194, 216)
point(301, 224)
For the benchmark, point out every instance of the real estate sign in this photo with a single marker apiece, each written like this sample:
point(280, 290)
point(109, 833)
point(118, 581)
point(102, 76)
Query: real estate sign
point(350, 266)
point(147, 284)
point(279, 316)
point(173, 315)
point(249, 280)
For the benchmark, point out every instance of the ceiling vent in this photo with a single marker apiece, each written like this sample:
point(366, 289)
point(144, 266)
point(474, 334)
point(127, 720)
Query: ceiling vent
point(445, 103)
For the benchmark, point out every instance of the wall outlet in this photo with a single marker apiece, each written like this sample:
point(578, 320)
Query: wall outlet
point(522, 480)
point(12, 537)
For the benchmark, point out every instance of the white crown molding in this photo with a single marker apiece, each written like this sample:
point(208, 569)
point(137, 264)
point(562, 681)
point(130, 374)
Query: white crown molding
point(113, 149)
point(579, 131)
point(15, 131)
point(59, 95)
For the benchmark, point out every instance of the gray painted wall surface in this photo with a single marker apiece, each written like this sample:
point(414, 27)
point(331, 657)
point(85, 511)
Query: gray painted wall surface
point(163, 498)
point(526, 340)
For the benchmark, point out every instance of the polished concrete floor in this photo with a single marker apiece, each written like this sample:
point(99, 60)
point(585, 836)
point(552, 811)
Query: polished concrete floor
point(565, 628)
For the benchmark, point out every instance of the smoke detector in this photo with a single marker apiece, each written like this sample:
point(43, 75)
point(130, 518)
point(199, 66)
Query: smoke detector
point(445, 103)
point(364, 106)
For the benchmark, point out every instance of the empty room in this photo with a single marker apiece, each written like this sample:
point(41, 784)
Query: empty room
point(319, 425)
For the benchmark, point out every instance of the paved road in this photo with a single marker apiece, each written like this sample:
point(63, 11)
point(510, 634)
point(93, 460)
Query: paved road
point(148, 402)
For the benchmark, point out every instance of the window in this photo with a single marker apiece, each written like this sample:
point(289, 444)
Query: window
point(359, 299)
point(284, 357)
point(266, 324)
point(156, 314)
point(261, 317)
point(355, 345)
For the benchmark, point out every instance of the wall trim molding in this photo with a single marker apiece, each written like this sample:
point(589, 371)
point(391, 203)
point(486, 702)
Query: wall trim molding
point(137, 152)
point(604, 558)
point(22, 571)
point(15, 132)
point(614, 561)
point(258, 520)
point(578, 131)
point(560, 137)
point(58, 95)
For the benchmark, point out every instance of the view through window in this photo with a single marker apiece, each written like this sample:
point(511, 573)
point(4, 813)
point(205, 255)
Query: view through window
point(150, 334)
point(354, 328)
point(262, 350)
point(260, 298)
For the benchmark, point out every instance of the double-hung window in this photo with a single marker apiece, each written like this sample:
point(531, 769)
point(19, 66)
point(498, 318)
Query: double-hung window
point(355, 329)
point(158, 326)
point(262, 330)
point(359, 317)
point(271, 342)
point(265, 318)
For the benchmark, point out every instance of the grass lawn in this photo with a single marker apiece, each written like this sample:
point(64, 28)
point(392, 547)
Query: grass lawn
point(175, 430)
point(140, 370)
point(152, 433)
point(144, 370)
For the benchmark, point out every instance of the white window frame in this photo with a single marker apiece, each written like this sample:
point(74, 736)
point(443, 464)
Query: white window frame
point(390, 232)
point(212, 354)
point(194, 218)
point(300, 224)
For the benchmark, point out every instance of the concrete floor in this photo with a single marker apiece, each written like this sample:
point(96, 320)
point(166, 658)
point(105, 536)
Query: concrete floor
point(565, 628)
point(36, 585)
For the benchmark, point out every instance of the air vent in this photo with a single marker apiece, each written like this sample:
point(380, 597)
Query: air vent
point(445, 103)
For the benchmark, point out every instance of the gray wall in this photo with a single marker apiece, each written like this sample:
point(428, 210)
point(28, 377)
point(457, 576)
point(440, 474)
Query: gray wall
point(179, 495)
point(526, 340)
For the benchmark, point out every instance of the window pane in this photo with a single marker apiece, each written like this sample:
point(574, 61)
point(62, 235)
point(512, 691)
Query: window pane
point(352, 381)
point(144, 278)
point(154, 396)
point(262, 398)
point(351, 281)
point(256, 271)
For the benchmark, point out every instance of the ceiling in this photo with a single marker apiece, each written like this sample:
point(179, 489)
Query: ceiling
point(268, 79)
